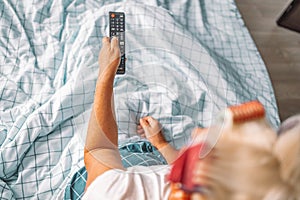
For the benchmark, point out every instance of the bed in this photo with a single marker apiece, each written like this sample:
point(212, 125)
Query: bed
point(186, 61)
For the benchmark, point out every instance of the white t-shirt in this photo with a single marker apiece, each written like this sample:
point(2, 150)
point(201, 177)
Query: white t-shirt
point(138, 182)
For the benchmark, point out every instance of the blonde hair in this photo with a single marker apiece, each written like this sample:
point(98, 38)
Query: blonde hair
point(250, 162)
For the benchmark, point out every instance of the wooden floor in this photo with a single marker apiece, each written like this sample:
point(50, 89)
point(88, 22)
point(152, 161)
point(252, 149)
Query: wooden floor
point(280, 50)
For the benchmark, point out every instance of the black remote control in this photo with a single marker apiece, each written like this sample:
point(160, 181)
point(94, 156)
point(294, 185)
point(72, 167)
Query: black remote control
point(117, 28)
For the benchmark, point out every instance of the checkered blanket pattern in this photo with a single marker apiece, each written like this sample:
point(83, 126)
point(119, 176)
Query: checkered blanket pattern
point(132, 153)
point(186, 61)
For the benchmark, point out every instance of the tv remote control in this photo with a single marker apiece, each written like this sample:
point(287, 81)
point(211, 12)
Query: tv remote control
point(117, 28)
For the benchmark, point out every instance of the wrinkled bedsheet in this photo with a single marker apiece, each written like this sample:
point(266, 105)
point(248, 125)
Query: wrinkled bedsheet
point(186, 61)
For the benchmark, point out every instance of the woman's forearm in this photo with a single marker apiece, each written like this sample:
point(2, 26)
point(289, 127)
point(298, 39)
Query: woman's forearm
point(168, 152)
point(101, 145)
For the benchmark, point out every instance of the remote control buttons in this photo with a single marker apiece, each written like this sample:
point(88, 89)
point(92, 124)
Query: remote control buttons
point(117, 29)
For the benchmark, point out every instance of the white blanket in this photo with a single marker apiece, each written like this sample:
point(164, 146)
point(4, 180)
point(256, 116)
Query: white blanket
point(186, 60)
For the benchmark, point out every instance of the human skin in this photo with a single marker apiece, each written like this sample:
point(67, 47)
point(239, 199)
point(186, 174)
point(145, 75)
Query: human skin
point(101, 147)
point(101, 152)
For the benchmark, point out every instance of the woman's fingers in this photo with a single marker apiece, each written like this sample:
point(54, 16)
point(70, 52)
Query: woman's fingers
point(144, 123)
point(152, 131)
point(151, 126)
point(114, 43)
point(148, 122)
point(140, 130)
point(105, 41)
